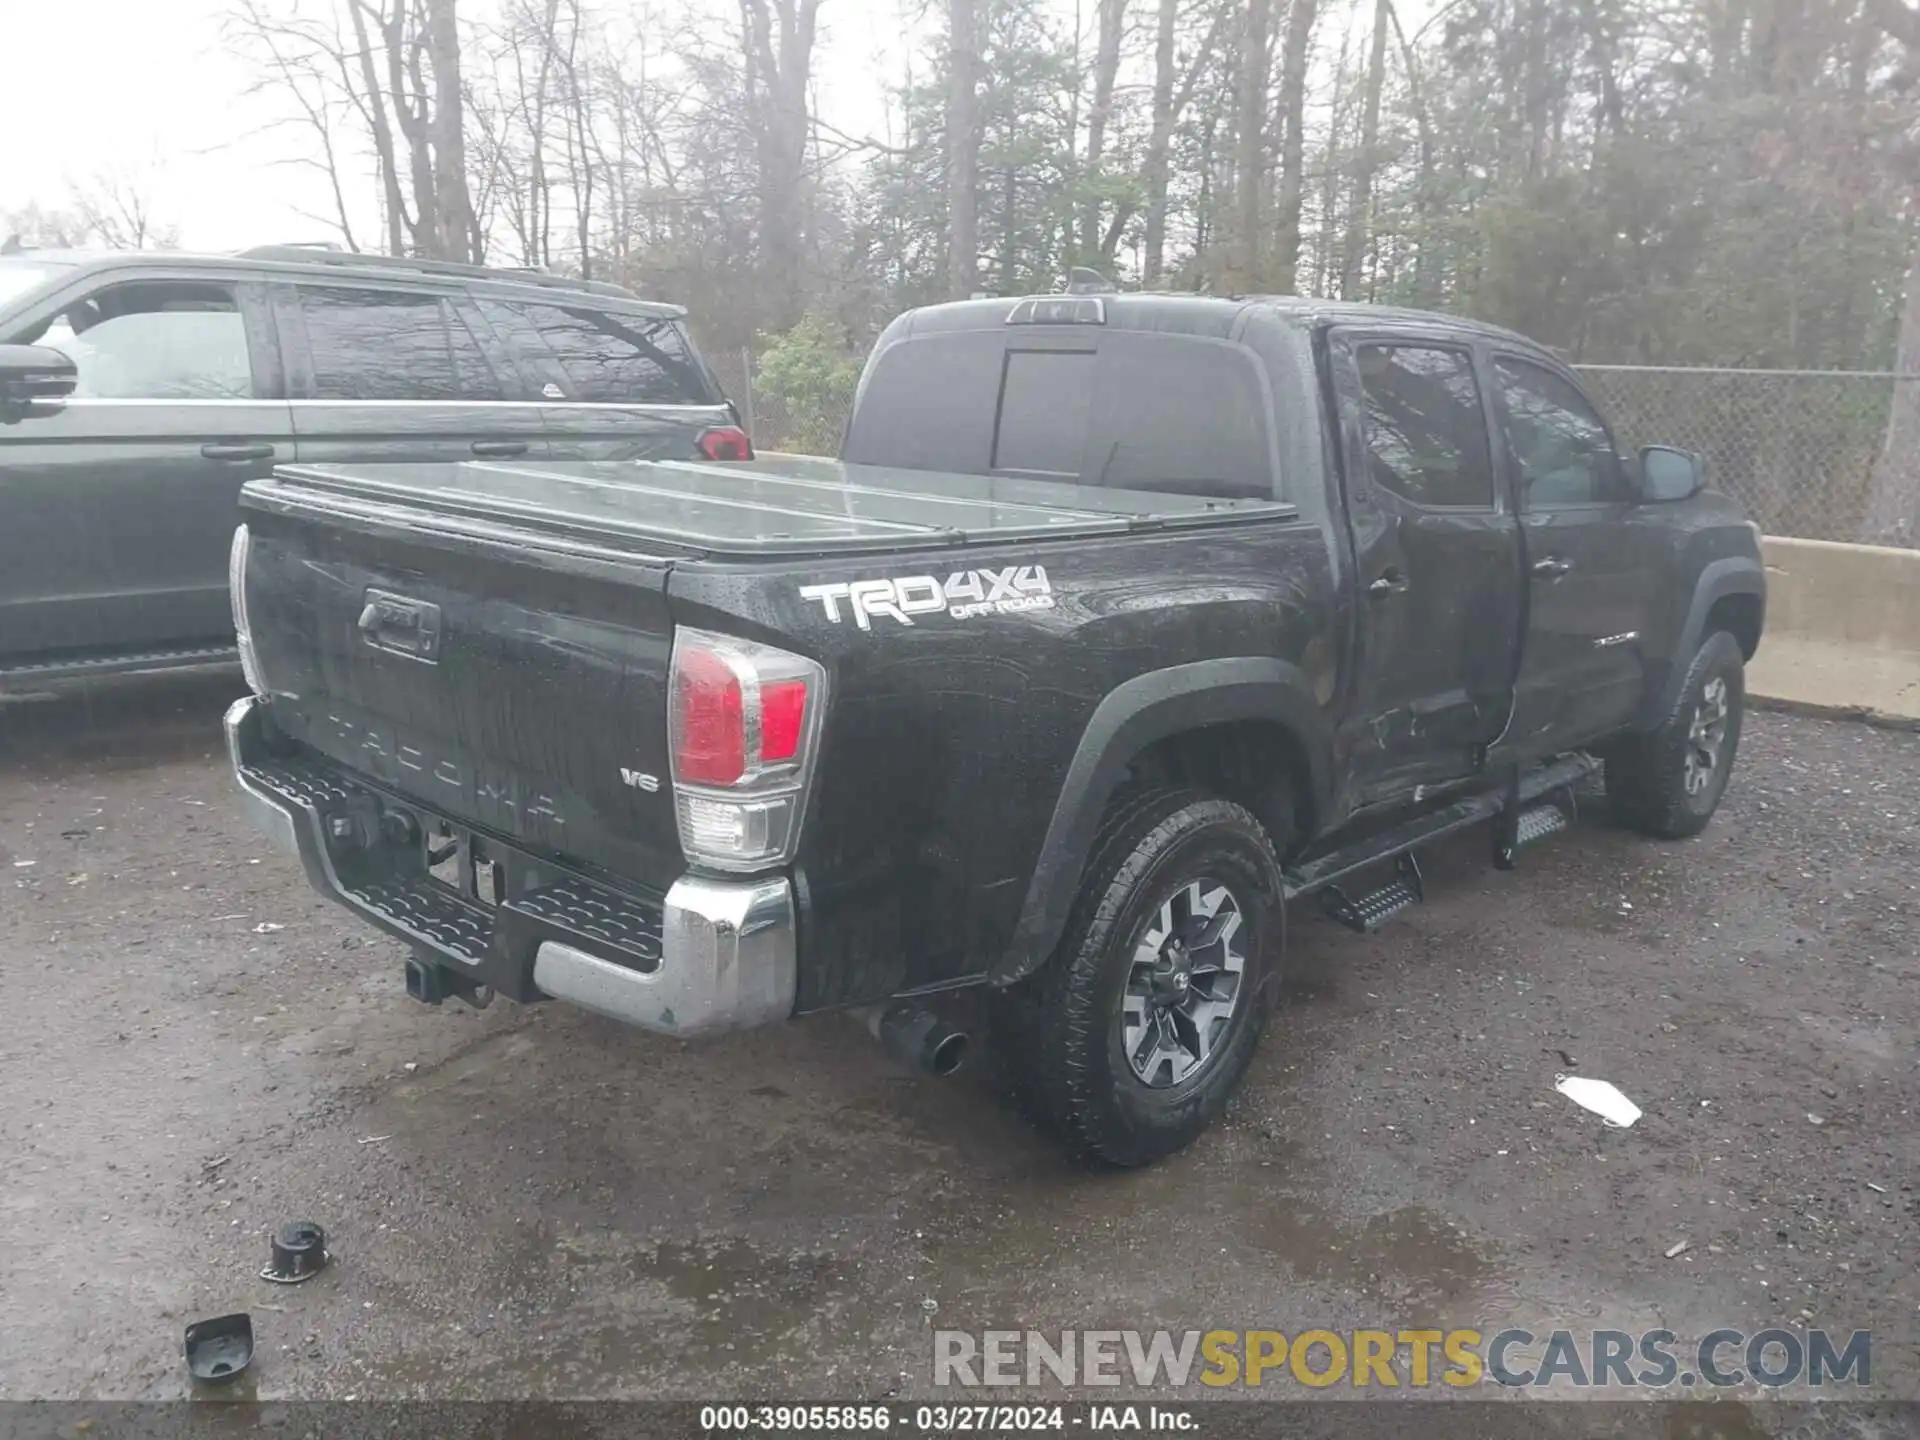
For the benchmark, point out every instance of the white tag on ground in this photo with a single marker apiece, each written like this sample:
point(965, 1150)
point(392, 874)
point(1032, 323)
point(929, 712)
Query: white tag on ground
point(1602, 1097)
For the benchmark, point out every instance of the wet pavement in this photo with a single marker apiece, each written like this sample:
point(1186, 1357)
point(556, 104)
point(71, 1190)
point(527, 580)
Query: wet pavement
point(536, 1202)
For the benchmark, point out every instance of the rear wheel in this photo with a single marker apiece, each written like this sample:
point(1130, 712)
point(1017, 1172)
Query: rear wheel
point(1668, 782)
point(1140, 1028)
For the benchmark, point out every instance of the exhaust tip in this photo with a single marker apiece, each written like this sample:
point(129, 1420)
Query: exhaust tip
point(919, 1039)
point(947, 1053)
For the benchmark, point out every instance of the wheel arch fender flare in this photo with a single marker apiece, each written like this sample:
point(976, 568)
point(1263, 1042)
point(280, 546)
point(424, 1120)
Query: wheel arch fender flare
point(1730, 575)
point(1133, 716)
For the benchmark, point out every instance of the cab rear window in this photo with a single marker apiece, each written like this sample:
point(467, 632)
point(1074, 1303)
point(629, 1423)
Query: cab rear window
point(1125, 409)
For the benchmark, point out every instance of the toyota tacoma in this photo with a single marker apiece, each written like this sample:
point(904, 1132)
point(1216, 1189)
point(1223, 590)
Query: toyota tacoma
point(1121, 623)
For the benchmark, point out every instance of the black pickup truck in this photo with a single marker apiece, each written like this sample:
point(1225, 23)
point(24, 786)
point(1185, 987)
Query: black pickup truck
point(1122, 621)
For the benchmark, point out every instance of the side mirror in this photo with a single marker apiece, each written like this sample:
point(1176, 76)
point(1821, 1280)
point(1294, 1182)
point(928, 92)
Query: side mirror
point(1669, 474)
point(34, 381)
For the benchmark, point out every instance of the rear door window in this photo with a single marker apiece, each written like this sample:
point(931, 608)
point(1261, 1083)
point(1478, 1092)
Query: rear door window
point(607, 358)
point(1425, 426)
point(373, 344)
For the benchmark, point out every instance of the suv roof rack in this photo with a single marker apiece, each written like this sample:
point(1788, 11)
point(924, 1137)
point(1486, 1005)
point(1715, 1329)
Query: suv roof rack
point(328, 253)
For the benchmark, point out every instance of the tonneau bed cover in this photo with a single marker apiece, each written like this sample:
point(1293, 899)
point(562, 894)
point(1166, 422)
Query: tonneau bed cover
point(772, 506)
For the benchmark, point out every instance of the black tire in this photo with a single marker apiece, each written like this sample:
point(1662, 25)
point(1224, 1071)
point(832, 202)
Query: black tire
point(1648, 775)
point(1064, 1027)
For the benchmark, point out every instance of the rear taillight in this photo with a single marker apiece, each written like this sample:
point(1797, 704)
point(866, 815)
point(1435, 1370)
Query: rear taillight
point(742, 720)
point(237, 594)
point(725, 442)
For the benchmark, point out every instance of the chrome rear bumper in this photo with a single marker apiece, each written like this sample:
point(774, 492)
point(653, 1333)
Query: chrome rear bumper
point(725, 957)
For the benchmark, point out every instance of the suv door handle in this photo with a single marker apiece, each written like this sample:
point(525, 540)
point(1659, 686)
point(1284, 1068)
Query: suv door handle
point(1391, 582)
point(1552, 568)
point(215, 450)
point(499, 447)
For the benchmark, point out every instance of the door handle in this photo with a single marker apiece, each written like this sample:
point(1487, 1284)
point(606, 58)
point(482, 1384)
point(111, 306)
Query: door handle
point(1391, 582)
point(1552, 568)
point(216, 450)
point(499, 447)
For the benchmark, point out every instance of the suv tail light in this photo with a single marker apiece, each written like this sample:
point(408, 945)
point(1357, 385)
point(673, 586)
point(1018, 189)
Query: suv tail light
point(237, 594)
point(725, 442)
point(742, 721)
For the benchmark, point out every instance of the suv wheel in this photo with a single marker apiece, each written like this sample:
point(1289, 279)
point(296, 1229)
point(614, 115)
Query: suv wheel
point(1140, 1028)
point(1668, 783)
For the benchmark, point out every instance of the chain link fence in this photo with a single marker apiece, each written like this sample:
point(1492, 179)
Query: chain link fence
point(1797, 448)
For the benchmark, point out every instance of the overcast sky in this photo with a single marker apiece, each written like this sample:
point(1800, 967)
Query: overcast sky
point(147, 91)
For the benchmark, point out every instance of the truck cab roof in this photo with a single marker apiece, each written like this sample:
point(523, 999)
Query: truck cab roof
point(1215, 316)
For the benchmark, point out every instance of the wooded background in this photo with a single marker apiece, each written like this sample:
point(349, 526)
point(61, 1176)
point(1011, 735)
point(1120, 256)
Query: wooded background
point(1646, 182)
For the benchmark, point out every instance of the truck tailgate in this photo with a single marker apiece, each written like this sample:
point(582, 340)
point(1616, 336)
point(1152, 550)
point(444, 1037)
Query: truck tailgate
point(516, 688)
point(494, 640)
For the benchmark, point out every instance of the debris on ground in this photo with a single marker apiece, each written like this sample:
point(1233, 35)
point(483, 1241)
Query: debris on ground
point(267, 927)
point(1679, 1247)
point(1602, 1097)
point(220, 1348)
point(297, 1252)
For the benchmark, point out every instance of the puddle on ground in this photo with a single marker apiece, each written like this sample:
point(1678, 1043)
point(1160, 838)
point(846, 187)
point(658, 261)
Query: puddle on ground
point(1713, 1420)
point(602, 1313)
point(1407, 1254)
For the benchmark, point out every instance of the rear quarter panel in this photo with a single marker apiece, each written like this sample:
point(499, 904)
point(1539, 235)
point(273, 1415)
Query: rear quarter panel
point(947, 739)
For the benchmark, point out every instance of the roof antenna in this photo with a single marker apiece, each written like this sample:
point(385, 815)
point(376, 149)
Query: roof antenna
point(1084, 281)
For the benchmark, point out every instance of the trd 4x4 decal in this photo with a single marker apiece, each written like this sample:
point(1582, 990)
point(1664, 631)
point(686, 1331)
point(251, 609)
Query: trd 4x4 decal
point(965, 594)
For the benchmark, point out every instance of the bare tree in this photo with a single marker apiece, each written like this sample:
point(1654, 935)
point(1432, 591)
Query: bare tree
point(1169, 105)
point(1250, 145)
point(113, 211)
point(453, 237)
point(1111, 23)
point(395, 75)
point(779, 36)
point(1294, 50)
point(1893, 505)
point(305, 70)
point(1365, 158)
point(963, 146)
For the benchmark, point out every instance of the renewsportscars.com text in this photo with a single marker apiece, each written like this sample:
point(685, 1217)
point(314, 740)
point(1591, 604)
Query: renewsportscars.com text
point(1395, 1359)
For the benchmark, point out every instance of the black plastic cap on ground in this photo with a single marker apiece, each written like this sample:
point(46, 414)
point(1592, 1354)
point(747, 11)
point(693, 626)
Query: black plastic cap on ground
point(220, 1348)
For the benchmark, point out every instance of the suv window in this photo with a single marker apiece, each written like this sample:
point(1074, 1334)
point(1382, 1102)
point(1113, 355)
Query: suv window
point(155, 340)
point(1126, 409)
point(370, 344)
point(1559, 444)
point(607, 358)
point(1426, 431)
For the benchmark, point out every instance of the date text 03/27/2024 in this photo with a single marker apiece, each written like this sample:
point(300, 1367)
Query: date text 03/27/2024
point(941, 1419)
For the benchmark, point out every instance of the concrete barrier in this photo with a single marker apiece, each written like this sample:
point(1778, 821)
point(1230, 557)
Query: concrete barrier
point(1843, 628)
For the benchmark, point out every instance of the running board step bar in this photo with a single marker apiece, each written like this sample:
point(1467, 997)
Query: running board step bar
point(1513, 805)
point(25, 676)
point(1365, 913)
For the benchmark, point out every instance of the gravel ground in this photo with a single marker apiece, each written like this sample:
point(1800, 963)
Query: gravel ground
point(534, 1202)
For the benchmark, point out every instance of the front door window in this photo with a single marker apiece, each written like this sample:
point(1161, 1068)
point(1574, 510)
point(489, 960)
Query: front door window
point(155, 340)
